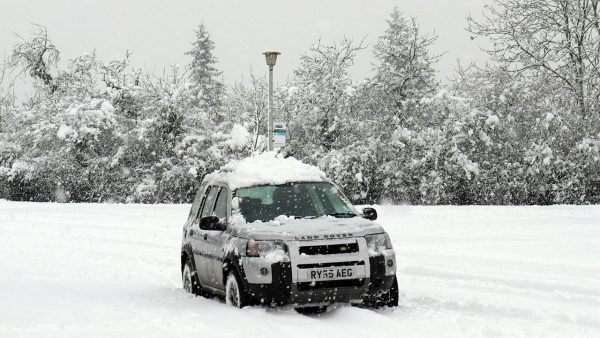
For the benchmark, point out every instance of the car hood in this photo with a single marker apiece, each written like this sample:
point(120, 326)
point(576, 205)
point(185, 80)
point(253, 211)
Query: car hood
point(307, 229)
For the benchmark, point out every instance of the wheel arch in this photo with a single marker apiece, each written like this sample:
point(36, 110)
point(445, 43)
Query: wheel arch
point(186, 253)
point(232, 263)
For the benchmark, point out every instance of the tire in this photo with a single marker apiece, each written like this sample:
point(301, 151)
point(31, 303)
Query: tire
point(235, 294)
point(391, 297)
point(190, 279)
point(311, 310)
point(388, 298)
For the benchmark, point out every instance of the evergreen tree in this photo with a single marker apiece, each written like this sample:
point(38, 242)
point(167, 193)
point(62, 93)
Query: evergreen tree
point(208, 89)
point(404, 68)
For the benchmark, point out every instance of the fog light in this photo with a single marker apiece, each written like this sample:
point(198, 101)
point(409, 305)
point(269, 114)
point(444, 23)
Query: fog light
point(263, 271)
point(390, 263)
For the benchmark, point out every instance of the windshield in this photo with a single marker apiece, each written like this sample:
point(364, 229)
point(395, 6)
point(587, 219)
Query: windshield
point(300, 200)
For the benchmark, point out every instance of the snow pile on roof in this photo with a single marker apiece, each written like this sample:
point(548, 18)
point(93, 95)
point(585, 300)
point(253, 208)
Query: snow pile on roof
point(266, 168)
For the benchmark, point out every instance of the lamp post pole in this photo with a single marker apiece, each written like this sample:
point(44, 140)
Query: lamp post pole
point(271, 59)
point(270, 108)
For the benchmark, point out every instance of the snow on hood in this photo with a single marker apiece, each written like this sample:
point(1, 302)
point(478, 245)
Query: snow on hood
point(300, 229)
point(266, 168)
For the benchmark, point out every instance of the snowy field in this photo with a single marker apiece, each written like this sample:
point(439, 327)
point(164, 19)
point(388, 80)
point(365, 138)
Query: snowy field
point(113, 270)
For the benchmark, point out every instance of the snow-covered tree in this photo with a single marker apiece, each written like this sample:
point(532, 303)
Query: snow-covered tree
point(208, 88)
point(404, 69)
point(530, 156)
point(6, 86)
point(318, 99)
point(248, 105)
point(556, 39)
point(37, 57)
point(378, 107)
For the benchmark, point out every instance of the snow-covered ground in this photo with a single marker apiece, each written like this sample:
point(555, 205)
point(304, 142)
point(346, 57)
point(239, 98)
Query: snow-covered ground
point(113, 270)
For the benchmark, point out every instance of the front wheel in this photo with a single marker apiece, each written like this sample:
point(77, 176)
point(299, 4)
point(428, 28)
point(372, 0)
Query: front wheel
point(391, 297)
point(234, 291)
point(387, 298)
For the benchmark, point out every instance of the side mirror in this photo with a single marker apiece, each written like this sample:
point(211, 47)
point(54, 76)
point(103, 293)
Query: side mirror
point(370, 213)
point(211, 223)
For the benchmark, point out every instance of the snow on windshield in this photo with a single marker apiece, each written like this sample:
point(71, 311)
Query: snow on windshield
point(266, 168)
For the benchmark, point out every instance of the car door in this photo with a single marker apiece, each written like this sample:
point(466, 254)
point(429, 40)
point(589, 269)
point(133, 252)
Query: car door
point(198, 237)
point(215, 240)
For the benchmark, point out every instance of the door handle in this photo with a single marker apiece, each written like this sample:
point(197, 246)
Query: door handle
point(205, 236)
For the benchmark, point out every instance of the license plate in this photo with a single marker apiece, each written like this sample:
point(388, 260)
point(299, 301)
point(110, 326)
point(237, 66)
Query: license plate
point(332, 273)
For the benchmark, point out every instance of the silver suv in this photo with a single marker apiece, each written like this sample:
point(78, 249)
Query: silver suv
point(284, 239)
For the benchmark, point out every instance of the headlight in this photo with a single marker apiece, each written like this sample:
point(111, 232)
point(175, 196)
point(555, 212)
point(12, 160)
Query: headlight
point(378, 242)
point(264, 248)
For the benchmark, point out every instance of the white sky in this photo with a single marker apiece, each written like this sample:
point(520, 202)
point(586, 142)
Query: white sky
point(159, 32)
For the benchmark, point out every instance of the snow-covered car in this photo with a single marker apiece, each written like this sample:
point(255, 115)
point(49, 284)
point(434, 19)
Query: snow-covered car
point(273, 230)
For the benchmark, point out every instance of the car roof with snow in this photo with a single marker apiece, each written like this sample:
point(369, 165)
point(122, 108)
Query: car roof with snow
point(268, 168)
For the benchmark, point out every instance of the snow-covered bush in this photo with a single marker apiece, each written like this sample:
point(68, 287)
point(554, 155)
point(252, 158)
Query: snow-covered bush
point(358, 170)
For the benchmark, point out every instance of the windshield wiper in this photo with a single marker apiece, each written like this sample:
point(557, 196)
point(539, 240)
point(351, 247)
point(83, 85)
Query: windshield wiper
point(334, 214)
point(342, 214)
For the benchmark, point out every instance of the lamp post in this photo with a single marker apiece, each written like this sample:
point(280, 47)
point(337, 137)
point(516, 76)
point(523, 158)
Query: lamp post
point(271, 59)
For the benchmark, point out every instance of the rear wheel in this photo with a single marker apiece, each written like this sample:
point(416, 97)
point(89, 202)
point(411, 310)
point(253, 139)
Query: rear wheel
point(190, 279)
point(234, 291)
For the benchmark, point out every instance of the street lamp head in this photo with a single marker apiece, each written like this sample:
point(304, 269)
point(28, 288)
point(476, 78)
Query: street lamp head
point(271, 58)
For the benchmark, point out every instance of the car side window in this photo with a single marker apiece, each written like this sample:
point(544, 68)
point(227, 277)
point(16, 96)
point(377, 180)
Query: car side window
point(197, 203)
point(209, 201)
point(221, 204)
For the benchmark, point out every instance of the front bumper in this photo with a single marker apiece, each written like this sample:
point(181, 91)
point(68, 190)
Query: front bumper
point(286, 284)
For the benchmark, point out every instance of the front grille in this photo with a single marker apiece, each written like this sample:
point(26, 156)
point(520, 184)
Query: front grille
point(332, 249)
point(326, 265)
point(344, 283)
